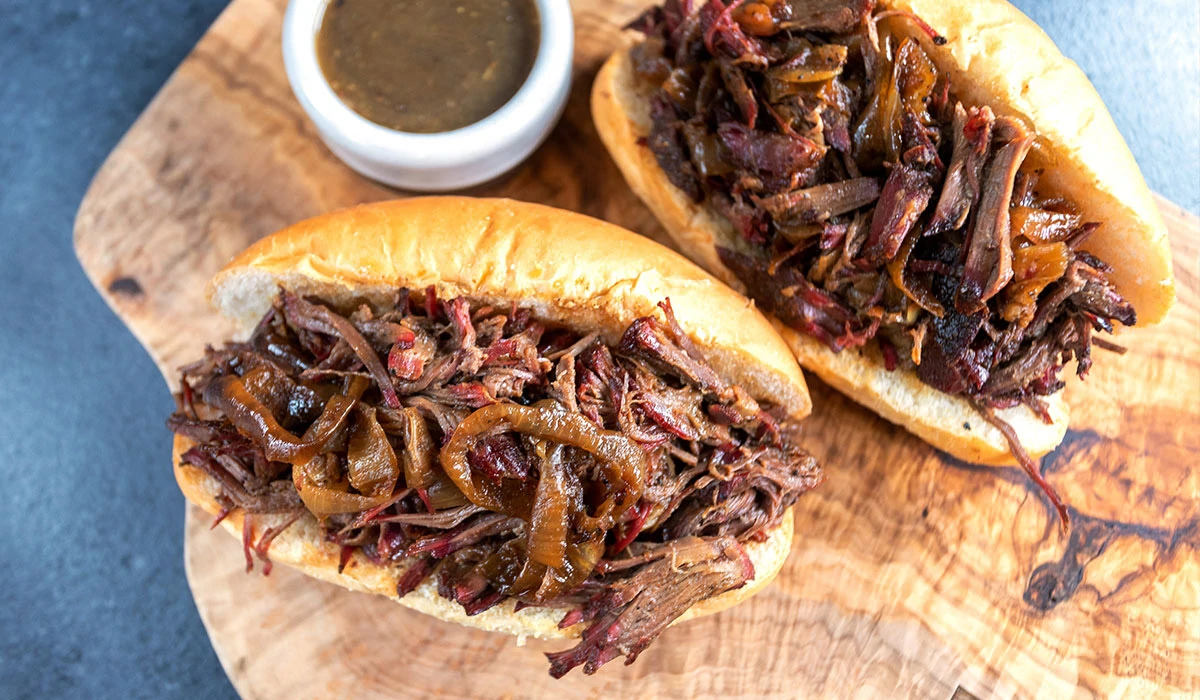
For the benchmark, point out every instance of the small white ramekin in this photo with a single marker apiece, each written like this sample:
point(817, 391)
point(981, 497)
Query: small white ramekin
point(434, 162)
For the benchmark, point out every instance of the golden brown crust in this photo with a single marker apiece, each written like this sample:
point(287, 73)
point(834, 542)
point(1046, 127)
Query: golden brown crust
point(567, 267)
point(304, 548)
point(1015, 68)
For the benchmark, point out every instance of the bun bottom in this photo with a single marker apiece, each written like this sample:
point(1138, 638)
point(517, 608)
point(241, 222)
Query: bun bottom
point(303, 547)
point(947, 422)
point(620, 108)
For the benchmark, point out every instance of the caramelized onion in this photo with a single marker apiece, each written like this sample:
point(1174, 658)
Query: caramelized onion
point(706, 150)
point(904, 85)
point(370, 461)
point(419, 459)
point(333, 498)
point(581, 560)
point(555, 502)
point(252, 419)
point(514, 573)
point(442, 493)
point(756, 18)
point(680, 87)
point(549, 561)
point(1041, 225)
point(510, 571)
point(419, 451)
point(291, 403)
point(623, 462)
point(922, 295)
point(915, 77)
point(1034, 268)
point(818, 64)
point(888, 123)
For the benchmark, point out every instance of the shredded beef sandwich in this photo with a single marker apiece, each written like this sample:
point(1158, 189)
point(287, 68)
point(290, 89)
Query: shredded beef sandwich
point(501, 458)
point(873, 209)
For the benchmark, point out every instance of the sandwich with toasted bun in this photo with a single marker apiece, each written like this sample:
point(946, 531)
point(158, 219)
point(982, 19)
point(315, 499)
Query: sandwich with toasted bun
point(499, 414)
point(929, 197)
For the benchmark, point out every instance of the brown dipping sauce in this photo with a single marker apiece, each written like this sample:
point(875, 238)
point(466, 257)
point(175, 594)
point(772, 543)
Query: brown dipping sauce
point(426, 66)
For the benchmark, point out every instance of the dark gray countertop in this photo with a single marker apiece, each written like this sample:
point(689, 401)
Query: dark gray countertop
point(93, 600)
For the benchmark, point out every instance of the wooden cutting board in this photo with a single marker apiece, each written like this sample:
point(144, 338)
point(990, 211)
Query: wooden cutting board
point(912, 574)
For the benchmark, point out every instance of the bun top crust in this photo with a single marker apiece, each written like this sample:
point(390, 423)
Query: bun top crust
point(997, 56)
point(566, 267)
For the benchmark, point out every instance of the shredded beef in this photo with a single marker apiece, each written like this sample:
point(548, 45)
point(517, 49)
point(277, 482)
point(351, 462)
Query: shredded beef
point(822, 113)
point(874, 206)
point(322, 388)
point(633, 610)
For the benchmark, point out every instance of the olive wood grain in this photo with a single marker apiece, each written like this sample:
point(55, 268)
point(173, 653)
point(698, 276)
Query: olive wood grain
point(911, 575)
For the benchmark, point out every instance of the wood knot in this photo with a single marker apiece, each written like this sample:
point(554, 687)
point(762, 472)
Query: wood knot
point(1056, 581)
point(126, 286)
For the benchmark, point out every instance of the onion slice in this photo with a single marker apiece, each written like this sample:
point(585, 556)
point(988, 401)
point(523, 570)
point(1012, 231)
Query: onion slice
point(324, 499)
point(370, 461)
point(564, 542)
point(553, 507)
point(252, 419)
point(624, 463)
point(922, 295)
point(419, 451)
